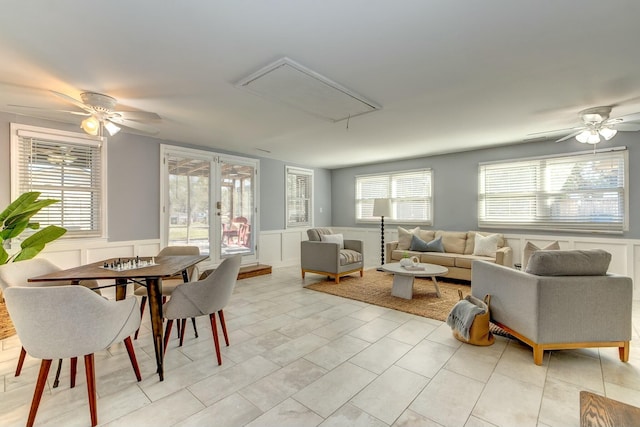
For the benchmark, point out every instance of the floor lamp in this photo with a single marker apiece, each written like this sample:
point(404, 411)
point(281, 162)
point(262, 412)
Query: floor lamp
point(381, 208)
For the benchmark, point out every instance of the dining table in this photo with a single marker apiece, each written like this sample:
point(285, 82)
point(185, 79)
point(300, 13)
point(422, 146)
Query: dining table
point(145, 271)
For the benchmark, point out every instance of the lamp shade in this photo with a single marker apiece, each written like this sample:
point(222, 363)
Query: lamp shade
point(382, 207)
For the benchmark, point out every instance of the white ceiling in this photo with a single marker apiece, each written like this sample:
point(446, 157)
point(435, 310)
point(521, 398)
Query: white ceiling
point(449, 75)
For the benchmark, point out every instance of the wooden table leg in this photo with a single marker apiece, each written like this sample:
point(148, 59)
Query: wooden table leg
point(121, 289)
point(154, 293)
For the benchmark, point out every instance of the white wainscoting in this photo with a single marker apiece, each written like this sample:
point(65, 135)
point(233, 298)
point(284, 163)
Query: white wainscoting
point(281, 248)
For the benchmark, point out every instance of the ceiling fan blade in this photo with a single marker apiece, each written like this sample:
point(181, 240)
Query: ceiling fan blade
point(630, 118)
point(626, 127)
point(79, 113)
point(571, 135)
point(72, 101)
point(138, 115)
point(134, 125)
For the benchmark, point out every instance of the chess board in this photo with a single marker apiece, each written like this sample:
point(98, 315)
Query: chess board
point(125, 264)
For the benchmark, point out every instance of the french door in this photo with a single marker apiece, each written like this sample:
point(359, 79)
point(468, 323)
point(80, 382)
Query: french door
point(209, 200)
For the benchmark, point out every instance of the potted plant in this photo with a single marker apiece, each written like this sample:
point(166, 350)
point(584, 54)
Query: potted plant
point(16, 218)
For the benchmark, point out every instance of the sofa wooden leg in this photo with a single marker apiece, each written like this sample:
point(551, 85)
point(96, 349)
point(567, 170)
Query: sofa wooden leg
point(538, 354)
point(361, 272)
point(337, 278)
point(303, 274)
point(624, 352)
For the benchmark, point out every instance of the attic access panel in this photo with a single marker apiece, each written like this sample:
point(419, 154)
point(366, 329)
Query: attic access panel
point(292, 84)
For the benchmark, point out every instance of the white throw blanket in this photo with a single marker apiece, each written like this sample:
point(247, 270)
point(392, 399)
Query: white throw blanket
point(462, 315)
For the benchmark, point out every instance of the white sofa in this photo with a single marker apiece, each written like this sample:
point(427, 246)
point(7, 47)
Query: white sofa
point(458, 255)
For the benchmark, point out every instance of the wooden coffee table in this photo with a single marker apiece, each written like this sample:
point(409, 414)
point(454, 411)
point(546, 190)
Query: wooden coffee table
point(403, 277)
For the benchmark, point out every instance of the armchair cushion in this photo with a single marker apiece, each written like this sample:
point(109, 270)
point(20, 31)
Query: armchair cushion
point(591, 262)
point(348, 256)
point(333, 238)
point(315, 234)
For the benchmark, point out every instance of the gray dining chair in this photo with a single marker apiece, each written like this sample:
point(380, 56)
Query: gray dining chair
point(168, 285)
point(47, 321)
point(18, 273)
point(204, 297)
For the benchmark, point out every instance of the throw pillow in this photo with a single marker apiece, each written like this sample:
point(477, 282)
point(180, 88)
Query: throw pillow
point(417, 244)
point(589, 262)
point(486, 246)
point(404, 237)
point(530, 248)
point(333, 238)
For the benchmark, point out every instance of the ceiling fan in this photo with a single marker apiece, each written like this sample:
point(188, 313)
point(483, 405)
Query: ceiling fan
point(100, 112)
point(597, 124)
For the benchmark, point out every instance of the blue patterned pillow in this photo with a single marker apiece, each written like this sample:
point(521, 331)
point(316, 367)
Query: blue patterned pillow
point(419, 245)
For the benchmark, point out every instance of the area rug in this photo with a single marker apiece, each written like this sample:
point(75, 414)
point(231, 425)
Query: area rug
point(375, 288)
point(6, 326)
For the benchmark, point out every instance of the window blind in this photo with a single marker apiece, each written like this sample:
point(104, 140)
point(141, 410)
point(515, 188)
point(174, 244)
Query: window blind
point(410, 193)
point(584, 192)
point(65, 169)
point(299, 197)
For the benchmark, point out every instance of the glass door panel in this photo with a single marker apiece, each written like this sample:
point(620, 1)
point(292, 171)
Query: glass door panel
point(237, 207)
point(189, 202)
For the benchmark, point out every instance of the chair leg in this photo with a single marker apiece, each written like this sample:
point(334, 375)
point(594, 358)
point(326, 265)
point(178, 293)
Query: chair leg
point(90, 371)
point(195, 329)
point(56, 380)
point(23, 355)
point(73, 369)
point(142, 304)
point(623, 352)
point(214, 330)
point(224, 327)
point(183, 325)
point(37, 394)
point(132, 356)
point(167, 333)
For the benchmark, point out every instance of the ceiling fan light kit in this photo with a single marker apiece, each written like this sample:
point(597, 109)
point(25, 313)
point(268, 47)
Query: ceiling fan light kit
point(99, 109)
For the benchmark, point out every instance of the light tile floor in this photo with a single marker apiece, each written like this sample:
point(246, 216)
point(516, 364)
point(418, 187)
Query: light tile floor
point(304, 358)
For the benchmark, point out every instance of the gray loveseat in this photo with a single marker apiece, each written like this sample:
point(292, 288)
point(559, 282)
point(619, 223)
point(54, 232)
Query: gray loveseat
point(564, 300)
point(458, 254)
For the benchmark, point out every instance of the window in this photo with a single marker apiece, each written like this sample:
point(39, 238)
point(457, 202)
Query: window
point(411, 194)
point(65, 166)
point(299, 196)
point(580, 192)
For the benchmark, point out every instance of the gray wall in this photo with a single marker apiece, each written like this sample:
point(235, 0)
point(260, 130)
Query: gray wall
point(456, 182)
point(133, 182)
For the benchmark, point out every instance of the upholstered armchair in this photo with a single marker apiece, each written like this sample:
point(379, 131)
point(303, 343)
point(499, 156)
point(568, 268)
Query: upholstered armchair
point(564, 300)
point(329, 254)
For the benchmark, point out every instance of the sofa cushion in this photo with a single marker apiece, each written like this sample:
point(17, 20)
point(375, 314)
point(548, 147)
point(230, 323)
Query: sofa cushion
point(404, 237)
point(465, 261)
point(485, 246)
point(453, 241)
point(417, 244)
point(438, 258)
point(348, 256)
point(530, 248)
point(315, 233)
point(590, 262)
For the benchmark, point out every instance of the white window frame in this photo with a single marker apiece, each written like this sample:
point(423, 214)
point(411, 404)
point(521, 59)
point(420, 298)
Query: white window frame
point(389, 189)
point(62, 137)
point(540, 199)
point(297, 173)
